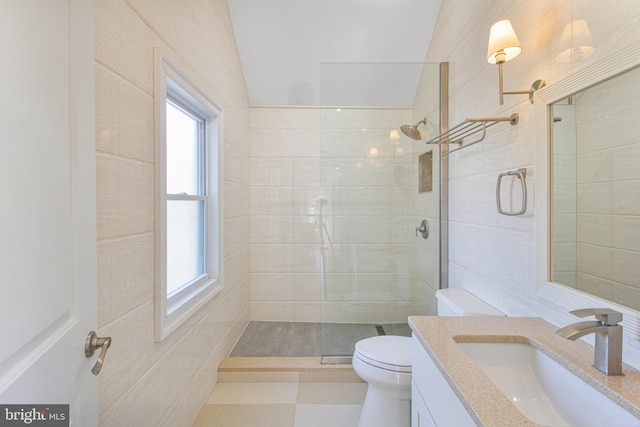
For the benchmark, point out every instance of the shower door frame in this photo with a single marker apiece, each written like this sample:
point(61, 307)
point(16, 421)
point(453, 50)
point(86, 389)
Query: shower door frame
point(444, 177)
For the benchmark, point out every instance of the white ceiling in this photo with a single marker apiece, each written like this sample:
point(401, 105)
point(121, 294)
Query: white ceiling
point(333, 52)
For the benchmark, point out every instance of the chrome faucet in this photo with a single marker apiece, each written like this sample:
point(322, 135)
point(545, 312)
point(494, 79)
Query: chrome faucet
point(608, 348)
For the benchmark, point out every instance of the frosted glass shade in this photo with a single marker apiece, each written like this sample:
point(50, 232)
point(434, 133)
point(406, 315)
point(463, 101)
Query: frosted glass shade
point(502, 39)
point(575, 43)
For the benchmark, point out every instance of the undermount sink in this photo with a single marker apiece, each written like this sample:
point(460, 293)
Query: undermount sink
point(543, 390)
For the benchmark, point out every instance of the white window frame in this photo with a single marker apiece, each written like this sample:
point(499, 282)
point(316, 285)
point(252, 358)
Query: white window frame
point(172, 311)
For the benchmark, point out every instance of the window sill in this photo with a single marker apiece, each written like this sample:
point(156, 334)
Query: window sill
point(184, 305)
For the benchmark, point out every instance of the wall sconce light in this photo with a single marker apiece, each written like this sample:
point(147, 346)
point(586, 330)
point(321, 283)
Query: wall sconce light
point(575, 43)
point(504, 46)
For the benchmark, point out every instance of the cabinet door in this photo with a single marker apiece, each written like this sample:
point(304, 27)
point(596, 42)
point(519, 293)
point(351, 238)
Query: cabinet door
point(420, 416)
point(444, 406)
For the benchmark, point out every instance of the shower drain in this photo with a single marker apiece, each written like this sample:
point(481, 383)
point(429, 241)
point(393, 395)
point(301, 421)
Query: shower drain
point(335, 360)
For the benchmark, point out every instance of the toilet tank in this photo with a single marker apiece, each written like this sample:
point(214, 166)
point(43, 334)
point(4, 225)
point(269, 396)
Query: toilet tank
point(459, 302)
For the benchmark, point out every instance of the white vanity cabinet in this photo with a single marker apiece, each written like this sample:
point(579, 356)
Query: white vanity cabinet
point(433, 403)
point(420, 415)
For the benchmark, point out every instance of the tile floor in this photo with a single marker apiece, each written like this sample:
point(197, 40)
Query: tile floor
point(283, 405)
point(298, 339)
point(300, 396)
point(274, 377)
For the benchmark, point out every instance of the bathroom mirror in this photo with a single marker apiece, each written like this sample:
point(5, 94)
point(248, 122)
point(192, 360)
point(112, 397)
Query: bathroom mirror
point(588, 160)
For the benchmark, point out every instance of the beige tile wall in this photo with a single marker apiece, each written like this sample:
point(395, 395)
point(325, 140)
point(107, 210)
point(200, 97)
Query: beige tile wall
point(144, 382)
point(491, 254)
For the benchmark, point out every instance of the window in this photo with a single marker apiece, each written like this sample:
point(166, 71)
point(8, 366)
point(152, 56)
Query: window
point(188, 231)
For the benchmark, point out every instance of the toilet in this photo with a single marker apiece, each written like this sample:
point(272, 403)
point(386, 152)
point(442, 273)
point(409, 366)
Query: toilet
point(384, 362)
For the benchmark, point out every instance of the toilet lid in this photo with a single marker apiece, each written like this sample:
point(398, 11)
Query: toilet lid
point(388, 352)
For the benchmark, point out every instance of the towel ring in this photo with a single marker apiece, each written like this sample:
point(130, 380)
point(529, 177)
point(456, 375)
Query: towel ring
point(521, 174)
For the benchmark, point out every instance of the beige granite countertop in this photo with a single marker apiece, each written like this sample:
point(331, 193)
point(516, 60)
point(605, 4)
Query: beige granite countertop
point(484, 402)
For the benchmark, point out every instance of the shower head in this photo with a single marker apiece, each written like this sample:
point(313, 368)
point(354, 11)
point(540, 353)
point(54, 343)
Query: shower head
point(412, 130)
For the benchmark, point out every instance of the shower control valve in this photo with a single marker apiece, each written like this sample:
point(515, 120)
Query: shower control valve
point(423, 229)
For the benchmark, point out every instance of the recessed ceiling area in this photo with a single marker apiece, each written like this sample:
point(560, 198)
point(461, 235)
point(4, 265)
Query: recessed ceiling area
point(333, 52)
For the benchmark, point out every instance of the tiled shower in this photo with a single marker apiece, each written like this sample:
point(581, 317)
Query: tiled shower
point(334, 207)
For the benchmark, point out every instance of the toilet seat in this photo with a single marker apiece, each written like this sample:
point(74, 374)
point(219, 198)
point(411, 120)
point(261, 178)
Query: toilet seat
point(391, 353)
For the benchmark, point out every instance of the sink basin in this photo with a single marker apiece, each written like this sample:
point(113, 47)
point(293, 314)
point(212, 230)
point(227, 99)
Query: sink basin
point(543, 390)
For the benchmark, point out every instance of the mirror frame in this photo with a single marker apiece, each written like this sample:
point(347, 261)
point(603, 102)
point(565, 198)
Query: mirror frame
point(552, 293)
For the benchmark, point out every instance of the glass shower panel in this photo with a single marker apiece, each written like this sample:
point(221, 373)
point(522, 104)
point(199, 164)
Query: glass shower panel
point(375, 272)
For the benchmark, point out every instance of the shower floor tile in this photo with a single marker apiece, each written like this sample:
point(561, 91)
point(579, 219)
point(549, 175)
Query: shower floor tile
point(298, 339)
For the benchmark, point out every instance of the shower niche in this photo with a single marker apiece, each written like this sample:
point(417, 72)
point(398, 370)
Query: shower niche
point(425, 172)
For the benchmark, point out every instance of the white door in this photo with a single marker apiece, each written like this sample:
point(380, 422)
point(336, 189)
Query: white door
point(47, 205)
